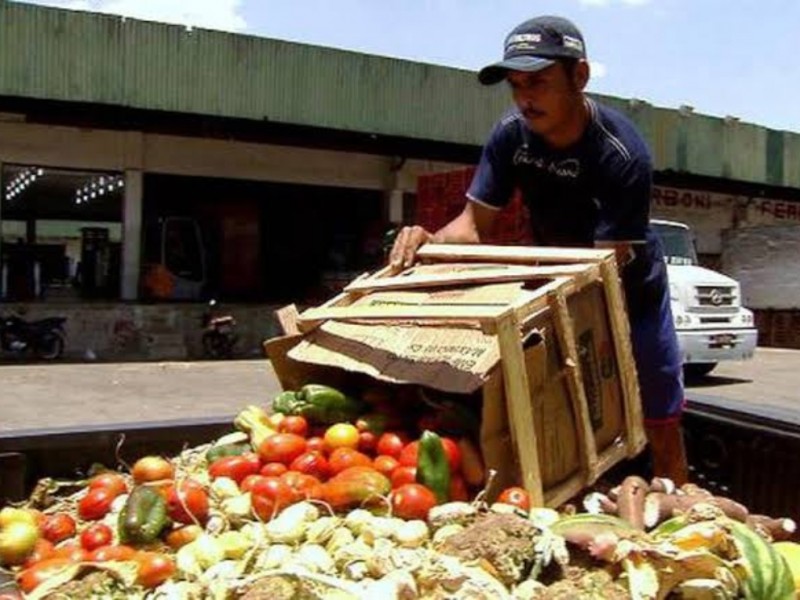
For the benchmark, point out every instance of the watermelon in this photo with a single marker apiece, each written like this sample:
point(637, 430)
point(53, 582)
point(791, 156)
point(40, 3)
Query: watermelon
point(769, 577)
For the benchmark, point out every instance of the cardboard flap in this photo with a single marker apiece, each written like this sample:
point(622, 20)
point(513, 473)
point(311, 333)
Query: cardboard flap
point(445, 358)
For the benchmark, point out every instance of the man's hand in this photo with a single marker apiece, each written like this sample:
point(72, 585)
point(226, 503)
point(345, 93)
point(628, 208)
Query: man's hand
point(406, 244)
point(624, 251)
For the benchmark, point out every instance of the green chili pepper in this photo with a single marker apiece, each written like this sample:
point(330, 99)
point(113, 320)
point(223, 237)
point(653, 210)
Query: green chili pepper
point(143, 516)
point(223, 450)
point(433, 468)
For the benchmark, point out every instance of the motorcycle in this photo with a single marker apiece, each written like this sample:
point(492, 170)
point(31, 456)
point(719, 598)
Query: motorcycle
point(45, 338)
point(219, 335)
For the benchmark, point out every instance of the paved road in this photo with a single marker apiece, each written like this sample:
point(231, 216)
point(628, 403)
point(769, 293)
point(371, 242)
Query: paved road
point(75, 395)
point(768, 385)
point(68, 395)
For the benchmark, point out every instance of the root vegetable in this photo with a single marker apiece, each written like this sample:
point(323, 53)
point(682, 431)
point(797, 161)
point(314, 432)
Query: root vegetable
point(778, 529)
point(660, 507)
point(631, 500)
point(596, 503)
point(692, 489)
point(663, 485)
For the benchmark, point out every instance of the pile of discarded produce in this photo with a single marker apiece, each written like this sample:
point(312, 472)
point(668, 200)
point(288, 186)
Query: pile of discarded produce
point(335, 498)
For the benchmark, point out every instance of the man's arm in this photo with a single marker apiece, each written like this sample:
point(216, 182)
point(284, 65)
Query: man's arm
point(469, 227)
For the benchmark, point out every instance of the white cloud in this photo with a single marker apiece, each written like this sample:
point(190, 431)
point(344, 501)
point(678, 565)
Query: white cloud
point(608, 2)
point(208, 14)
point(597, 69)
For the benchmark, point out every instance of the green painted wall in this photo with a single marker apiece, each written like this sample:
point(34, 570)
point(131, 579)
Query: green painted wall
point(56, 54)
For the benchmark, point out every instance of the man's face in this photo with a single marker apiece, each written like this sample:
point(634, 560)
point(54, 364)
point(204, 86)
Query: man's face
point(547, 98)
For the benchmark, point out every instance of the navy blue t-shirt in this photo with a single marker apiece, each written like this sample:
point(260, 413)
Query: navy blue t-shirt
point(596, 190)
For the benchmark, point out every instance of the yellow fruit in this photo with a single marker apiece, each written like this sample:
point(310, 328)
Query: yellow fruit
point(13, 515)
point(341, 435)
point(791, 553)
point(17, 541)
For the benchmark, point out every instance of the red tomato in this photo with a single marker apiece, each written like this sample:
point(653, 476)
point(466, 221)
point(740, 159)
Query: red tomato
point(190, 500)
point(72, 550)
point(301, 483)
point(282, 448)
point(95, 536)
point(152, 468)
point(385, 465)
point(453, 454)
point(111, 481)
point(109, 553)
point(515, 496)
point(154, 569)
point(254, 460)
point(249, 482)
point(403, 475)
point(271, 495)
point(41, 551)
point(412, 501)
point(96, 504)
point(293, 424)
point(178, 538)
point(408, 457)
point(30, 578)
point(344, 458)
point(273, 469)
point(58, 527)
point(312, 463)
point(391, 444)
point(316, 444)
point(458, 489)
point(367, 442)
point(234, 467)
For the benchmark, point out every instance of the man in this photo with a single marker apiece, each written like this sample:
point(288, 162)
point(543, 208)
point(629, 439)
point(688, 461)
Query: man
point(585, 175)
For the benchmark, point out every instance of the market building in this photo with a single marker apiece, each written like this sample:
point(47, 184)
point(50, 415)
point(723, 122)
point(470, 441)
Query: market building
point(147, 167)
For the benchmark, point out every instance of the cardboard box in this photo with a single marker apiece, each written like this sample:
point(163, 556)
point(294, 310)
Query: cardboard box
point(538, 336)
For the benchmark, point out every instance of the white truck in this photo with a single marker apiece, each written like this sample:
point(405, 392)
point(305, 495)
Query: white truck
point(711, 323)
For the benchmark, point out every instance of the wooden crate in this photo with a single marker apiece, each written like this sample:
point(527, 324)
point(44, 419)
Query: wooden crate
point(561, 405)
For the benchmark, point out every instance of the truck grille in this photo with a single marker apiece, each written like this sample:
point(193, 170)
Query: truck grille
point(714, 296)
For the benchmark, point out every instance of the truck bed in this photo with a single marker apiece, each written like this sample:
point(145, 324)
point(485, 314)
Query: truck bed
point(742, 422)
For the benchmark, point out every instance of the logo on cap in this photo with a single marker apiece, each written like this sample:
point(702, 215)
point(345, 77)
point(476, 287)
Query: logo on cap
point(574, 43)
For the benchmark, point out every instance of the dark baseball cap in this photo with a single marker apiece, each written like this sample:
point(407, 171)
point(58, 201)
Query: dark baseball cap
point(535, 45)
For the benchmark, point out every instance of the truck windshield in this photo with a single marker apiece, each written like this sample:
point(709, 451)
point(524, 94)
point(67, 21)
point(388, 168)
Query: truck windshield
point(678, 244)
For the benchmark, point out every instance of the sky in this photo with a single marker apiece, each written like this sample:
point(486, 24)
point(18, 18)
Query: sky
point(738, 58)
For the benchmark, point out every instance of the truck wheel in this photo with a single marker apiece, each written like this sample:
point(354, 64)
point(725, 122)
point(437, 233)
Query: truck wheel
point(697, 370)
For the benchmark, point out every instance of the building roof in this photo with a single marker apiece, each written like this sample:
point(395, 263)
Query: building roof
point(98, 59)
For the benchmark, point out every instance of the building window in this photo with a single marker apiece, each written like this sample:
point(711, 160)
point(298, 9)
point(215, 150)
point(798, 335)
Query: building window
point(61, 234)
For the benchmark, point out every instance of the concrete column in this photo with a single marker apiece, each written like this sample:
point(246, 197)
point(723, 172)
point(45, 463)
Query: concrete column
point(2, 265)
point(131, 235)
point(395, 198)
